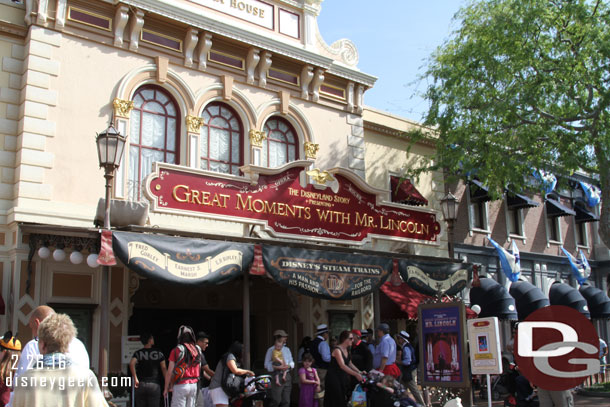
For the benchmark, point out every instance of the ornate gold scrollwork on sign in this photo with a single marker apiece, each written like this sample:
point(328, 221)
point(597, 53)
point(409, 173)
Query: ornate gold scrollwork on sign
point(311, 149)
point(257, 137)
point(194, 123)
point(122, 108)
point(320, 177)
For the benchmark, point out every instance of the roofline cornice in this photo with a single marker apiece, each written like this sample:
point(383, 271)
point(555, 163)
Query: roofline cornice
point(214, 26)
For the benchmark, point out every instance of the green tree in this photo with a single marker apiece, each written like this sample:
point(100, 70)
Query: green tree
point(523, 84)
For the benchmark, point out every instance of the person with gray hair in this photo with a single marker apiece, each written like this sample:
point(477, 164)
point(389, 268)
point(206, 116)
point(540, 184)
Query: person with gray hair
point(55, 380)
point(384, 358)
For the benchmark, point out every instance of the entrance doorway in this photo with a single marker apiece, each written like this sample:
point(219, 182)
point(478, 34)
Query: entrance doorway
point(160, 308)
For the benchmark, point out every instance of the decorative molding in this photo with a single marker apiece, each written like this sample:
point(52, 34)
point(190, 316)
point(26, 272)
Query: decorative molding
point(257, 137)
point(29, 5)
point(359, 102)
point(342, 50)
point(318, 79)
point(190, 42)
point(194, 123)
point(227, 87)
point(162, 68)
point(350, 97)
point(43, 12)
point(204, 46)
point(251, 63)
point(122, 108)
point(400, 134)
point(121, 17)
point(60, 14)
point(263, 68)
point(137, 22)
point(320, 177)
point(311, 149)
point(284, 102)
point(306, 77)
point(116, 319)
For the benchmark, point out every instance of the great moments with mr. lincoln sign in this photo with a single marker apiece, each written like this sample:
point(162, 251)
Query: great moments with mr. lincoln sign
point(345, 210)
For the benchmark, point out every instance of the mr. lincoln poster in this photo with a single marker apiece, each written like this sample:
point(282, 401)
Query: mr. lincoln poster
point(442, 350)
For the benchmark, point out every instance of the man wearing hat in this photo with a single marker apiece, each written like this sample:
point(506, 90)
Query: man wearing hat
point(281, 365)
point(384, 358)
point(370, 340)
point(321, 353)
point(409, 366)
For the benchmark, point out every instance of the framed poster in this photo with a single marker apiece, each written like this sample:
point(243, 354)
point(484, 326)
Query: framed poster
point(483, 337)
point(442, 349)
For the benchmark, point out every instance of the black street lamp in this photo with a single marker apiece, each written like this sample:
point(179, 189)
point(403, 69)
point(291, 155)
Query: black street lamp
point(449, 205)
point(110, 146)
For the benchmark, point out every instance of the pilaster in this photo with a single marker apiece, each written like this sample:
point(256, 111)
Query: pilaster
point(35, 127)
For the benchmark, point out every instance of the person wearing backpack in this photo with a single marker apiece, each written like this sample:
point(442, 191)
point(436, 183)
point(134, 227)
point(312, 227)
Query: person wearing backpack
point(183, 371)
point(228, 364)
point(408, 367)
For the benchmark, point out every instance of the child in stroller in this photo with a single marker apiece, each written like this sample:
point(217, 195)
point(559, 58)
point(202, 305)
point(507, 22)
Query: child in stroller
point(386, 391)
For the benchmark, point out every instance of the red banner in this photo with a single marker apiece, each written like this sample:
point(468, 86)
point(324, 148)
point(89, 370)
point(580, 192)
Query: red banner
point(286, 204)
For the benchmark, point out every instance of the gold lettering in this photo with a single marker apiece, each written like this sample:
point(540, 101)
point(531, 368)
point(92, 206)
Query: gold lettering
point(360, 220)
point(323, 215)
point(307, 213)
point(195, 196)
point(345, 218)
point(261, 205)
point(269, 209)
point(290, 208)
point(240, 202)
point(187, 194)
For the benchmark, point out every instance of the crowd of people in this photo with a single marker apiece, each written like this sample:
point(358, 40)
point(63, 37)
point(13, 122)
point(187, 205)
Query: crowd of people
point(53, 368)
point(326, 371)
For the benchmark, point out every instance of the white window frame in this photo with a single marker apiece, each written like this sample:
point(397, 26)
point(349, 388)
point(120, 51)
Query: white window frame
point(123, 124)
point(471, 221)
point(586, 244)
point(557, 223)
point(509, 221)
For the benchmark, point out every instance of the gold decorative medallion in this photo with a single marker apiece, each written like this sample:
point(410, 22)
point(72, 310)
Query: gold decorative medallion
point(257, 137)
point(122, 108)
point(311, 149)
point(194, 123)
point(320, 177)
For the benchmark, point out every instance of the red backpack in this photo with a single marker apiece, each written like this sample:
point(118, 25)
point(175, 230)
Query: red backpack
point(182, 364)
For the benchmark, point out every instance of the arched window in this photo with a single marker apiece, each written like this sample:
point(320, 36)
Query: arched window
point(221, 139)
point(280, 146)
point(154, 135)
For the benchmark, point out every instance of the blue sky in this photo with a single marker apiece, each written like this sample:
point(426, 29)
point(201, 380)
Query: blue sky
point(393, 38)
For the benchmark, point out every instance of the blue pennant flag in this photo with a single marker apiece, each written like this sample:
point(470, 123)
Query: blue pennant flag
point(548, 180)
point(592, 193)
point(510, 261)
point(584, 265)
point(580, 268)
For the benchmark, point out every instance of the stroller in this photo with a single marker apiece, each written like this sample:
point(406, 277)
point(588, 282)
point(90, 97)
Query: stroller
point(379, 397)
point(501, 385)
point(255, 389)
point(523, 396)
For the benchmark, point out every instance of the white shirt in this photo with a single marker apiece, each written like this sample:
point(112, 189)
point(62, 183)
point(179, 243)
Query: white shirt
point(30, 354)
point(286, 354)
